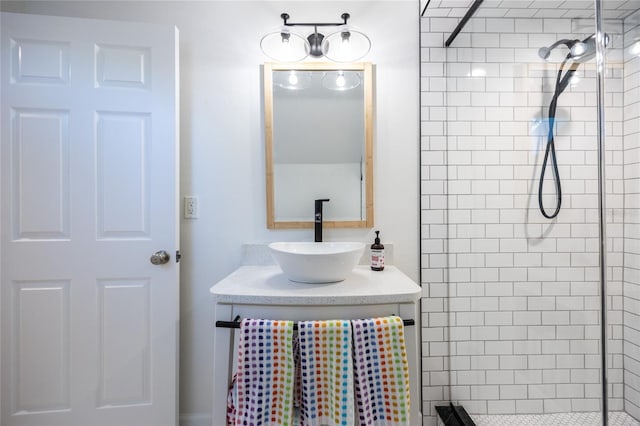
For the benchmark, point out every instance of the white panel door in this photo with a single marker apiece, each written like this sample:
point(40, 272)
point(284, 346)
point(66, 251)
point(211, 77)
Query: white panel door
point(89, 155)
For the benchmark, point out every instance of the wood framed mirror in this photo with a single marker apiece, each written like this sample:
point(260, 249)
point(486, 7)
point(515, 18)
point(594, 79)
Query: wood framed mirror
point(319, 143)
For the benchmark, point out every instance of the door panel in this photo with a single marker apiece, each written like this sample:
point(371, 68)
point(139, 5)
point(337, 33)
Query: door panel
point(41, 383)
point(40, 189)
point(39, 61)
point(123, 199)
point(123, 67)
point(125, 342)
point(89, 327)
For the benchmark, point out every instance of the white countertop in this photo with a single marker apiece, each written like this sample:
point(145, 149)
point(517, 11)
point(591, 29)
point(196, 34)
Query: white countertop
point(267, 285)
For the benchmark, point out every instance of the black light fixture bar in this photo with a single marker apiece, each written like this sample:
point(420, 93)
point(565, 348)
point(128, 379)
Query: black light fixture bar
point(285, 17)
point(236, 323)
point(472, 10)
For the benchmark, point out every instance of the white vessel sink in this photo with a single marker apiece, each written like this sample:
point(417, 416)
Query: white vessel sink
point(316, 263)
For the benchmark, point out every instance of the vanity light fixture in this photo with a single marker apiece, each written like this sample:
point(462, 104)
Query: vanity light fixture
point(346, 44)
point(293, 80)
point(341, 80)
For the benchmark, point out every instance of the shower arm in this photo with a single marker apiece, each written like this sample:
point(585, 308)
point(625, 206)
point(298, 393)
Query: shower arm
point(544, 52)
point(565, 41)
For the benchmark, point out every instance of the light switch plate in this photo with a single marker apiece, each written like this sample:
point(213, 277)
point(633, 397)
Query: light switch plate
point(191, 208)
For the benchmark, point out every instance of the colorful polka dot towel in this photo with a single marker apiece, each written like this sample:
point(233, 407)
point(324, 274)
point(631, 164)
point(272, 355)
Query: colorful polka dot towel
point(327, 373)
point(265, 373)
point(381, 372)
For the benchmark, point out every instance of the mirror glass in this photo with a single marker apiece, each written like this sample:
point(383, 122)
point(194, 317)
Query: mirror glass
point(318, 134)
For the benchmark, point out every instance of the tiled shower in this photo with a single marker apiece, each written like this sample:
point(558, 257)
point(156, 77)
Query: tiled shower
point(511, 300)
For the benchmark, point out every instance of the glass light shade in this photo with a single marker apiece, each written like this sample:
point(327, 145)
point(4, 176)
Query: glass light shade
point(285, 46)
point(346, 45)
point(341, 80)
point(292, 80)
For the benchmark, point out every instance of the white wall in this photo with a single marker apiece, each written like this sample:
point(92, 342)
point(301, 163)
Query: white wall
point(297, 184)
point(222, 141)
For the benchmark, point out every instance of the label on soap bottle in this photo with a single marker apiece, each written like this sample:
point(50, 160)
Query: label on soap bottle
point(377, 259)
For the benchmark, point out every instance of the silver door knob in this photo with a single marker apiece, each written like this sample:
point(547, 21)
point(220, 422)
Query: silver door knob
point(160, 257)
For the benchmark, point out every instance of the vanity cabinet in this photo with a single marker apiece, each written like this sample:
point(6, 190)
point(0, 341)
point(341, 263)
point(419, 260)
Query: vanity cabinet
point(264, 292)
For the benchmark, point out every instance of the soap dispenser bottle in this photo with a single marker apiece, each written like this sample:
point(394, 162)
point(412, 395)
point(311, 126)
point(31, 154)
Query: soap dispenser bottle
point(377, 254)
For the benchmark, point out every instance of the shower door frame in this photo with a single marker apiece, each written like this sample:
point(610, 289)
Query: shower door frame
point(600, 67)
point(602, 281)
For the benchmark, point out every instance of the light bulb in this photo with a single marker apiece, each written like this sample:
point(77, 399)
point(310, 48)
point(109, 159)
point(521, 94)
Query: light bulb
point(345, 45)
point(286, 46)
point(341, 80)
point(293, 78)
point(635, 48)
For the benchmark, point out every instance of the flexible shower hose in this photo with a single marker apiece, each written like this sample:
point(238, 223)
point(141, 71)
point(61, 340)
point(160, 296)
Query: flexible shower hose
point(561, 84)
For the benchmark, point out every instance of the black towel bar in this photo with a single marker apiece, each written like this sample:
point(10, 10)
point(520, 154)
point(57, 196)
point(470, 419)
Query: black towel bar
point(236, 323)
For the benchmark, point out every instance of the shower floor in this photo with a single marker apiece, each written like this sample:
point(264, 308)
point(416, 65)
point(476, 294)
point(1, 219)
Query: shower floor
point(560, 419)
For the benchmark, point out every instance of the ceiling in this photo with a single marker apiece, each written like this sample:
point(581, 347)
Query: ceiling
point(612, 9)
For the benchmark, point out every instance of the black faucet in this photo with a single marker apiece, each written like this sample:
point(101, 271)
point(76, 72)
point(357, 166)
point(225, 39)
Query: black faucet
point(318, 219)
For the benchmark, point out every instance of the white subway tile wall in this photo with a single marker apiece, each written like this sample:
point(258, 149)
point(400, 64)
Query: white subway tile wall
point(510, 308)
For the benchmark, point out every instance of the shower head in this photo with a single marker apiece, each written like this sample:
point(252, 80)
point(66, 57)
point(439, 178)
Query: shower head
point(579, 51)
point(544, 51)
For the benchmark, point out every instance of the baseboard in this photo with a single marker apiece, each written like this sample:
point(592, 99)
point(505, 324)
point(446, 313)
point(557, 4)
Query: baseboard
point(199, 419)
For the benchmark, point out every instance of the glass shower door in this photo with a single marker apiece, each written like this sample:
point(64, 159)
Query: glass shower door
point(512, 313)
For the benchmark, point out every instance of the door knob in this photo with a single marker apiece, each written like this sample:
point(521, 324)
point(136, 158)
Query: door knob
point(160, 257)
